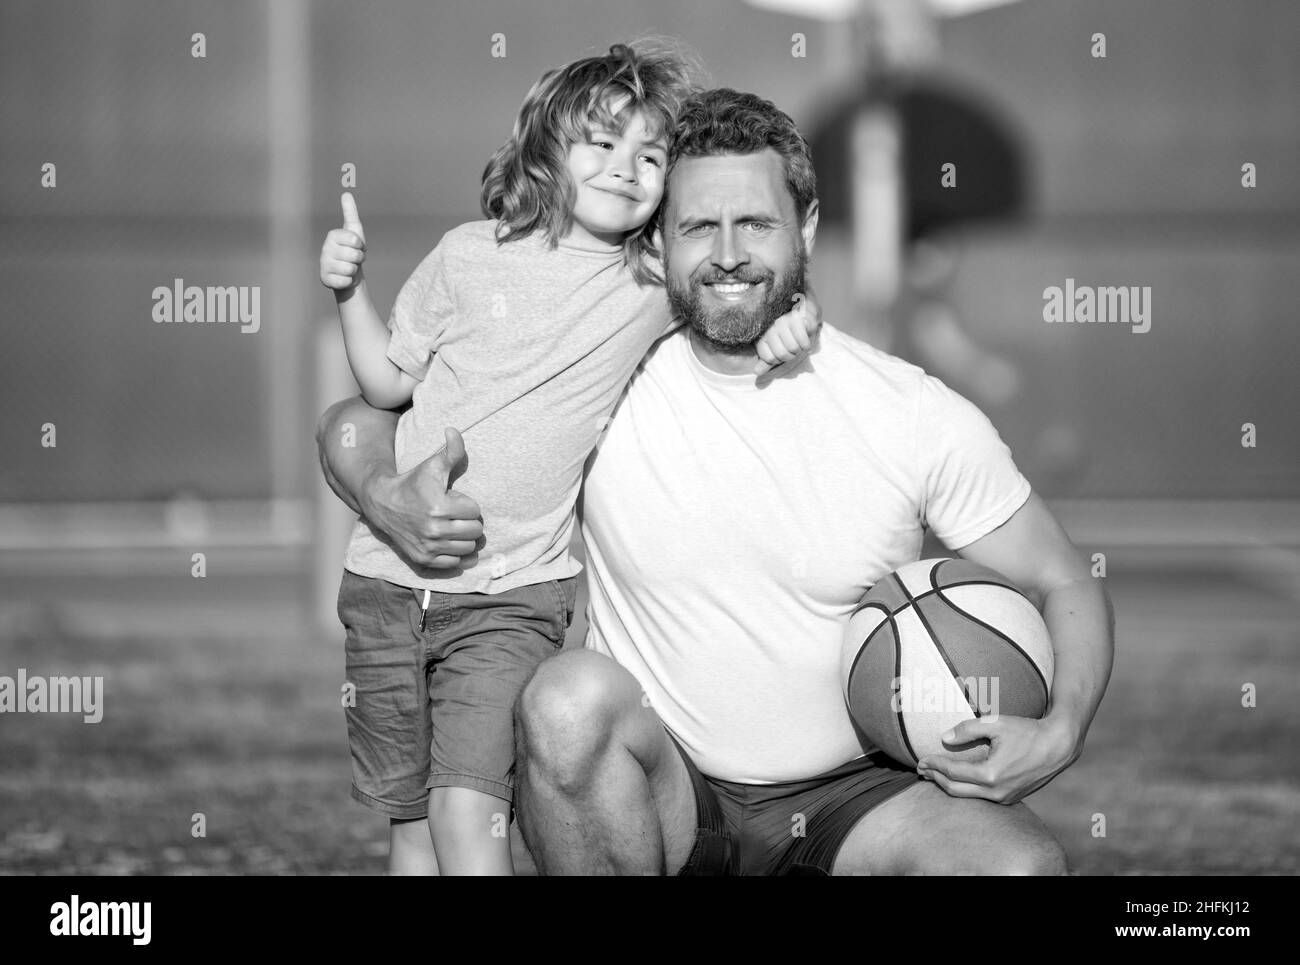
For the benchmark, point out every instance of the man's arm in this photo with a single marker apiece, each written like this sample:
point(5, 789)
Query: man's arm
point(1035, 553)
point(428, 522)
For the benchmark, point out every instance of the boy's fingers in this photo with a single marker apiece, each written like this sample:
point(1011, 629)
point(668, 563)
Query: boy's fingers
point(766, 359)
point(802, 337)
point(347, 238)
point(351, 217)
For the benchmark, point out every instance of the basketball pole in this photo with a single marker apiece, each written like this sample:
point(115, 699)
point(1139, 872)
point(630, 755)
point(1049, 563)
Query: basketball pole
point(289, 203)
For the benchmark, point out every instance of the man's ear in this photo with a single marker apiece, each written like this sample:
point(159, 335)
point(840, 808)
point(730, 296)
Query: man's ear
point(809, 228)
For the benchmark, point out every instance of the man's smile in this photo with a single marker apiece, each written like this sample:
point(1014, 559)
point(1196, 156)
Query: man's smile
point(733, 290)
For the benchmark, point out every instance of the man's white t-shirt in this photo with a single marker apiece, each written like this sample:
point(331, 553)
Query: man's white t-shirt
point(731, 528)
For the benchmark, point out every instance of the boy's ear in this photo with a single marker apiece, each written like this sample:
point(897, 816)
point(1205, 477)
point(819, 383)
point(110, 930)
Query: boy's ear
point(809, 228)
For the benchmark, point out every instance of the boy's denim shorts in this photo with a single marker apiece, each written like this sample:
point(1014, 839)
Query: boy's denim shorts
point(436, 708)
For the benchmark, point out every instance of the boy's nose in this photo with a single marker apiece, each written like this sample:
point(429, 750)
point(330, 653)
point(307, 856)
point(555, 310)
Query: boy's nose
point(623, 169)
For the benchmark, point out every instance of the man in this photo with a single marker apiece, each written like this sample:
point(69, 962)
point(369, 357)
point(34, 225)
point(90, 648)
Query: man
point(731, 525)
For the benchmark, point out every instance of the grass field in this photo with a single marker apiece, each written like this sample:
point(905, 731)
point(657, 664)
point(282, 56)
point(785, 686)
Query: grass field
point(219, 700)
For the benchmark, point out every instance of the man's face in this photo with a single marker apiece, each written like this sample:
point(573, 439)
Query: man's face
point(735, 251)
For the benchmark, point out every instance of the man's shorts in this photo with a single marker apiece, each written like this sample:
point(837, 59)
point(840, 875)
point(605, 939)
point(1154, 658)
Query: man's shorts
point(790, 828)
point(436, 708)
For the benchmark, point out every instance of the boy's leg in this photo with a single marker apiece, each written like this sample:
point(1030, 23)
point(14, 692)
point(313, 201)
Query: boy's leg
point(485, 648)
point(470, 831)
point(387, 714)
point(410, 849)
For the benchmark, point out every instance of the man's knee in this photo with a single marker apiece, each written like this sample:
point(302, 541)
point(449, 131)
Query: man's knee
point(568, 713)
point(1038, 855)
point(924, 831)
point(1023, 847)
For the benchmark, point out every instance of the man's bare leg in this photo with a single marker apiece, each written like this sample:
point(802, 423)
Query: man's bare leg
point(924, 831)
point(599, 786)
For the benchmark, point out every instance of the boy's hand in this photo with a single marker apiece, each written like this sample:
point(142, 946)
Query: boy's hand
point(791, 336)
point(344, 251)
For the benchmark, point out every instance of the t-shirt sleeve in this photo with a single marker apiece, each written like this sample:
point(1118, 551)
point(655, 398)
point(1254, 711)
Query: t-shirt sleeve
point(970, 483)
point(421, 314)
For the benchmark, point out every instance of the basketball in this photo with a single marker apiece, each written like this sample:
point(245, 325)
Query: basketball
point(937, 642)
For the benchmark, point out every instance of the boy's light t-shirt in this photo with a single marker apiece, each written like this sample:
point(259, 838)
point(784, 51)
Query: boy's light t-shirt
point(730, 529)
point(526, 350)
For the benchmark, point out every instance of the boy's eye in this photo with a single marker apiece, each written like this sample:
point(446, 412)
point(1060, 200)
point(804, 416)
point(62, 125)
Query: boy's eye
point(596, 142)
point(652, 159)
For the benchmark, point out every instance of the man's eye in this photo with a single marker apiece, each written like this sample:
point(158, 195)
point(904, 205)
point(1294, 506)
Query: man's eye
point(696, 230)
point(756, 226)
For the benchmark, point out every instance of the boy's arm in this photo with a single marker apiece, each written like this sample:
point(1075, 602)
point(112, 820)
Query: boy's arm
point(428, 523)
point(383, 384)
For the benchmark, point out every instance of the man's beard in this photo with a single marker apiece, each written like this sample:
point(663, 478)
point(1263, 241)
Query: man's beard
point(735, 330)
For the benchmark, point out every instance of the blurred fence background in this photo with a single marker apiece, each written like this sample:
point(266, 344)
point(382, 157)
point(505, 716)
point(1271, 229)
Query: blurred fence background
point(224, 170)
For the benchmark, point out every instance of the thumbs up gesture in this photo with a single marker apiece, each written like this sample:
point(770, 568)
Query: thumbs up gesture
point(344, 251)
point(431, 524)
point(445, 466)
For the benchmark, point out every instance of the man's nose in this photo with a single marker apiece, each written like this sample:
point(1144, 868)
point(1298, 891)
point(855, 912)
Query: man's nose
point(728, 249)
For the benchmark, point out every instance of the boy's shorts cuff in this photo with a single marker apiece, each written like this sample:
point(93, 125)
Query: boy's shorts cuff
point(417, 811)
point(473, 781)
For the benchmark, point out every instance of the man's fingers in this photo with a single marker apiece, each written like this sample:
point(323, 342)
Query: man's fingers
point(956, 770)
point(459, 521)
point(969, 731)
point(443, 562)
point(454, 454)
point(445, 465)
point(455, 444)
point(351, 218)
point(458, 548)
point(957, 788)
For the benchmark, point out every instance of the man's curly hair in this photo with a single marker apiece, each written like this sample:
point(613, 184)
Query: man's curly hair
point(726, 121)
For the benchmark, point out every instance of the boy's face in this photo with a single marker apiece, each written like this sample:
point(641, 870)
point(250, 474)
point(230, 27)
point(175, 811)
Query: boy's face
point(618, 179)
